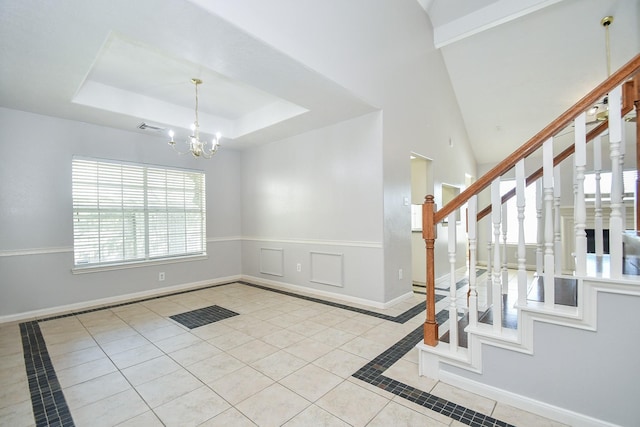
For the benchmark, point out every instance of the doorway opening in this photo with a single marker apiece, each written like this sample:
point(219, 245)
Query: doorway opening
point(421, 185)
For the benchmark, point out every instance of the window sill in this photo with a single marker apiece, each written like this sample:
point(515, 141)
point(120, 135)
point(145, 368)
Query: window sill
point(136, 264)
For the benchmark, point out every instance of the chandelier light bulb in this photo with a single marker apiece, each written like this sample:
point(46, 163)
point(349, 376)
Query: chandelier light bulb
point(195, 146)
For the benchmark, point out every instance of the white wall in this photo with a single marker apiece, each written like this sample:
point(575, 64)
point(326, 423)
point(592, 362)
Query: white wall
point(383, 52)
point(36, 234)
point(590, 373)
point(318, 192)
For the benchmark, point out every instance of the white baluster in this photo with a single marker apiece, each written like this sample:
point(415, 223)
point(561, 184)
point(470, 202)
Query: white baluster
point(473, 292)
point(496, 203)
point(520, 202)
point(539, 229)
point(580, 207)
point(557, 242)
point(453, 309)
point(597, 165)
point(575, 203)
point(547, 182)
point(489, 257)
point(623, 210)
point(505, 271)
point(615, 219)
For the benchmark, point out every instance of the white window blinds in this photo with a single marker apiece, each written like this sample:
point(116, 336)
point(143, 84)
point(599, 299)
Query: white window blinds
point(126, 212)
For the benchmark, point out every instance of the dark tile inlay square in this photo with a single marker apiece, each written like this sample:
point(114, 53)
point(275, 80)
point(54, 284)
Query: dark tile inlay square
point(203, 316)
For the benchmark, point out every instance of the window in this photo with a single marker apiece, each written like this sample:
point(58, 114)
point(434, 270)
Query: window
point(628, 184)
point(124, 212)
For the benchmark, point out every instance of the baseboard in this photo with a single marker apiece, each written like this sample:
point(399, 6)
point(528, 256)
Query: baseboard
point(543, 409)
point(326, 294)
point(119, 299)
point(397, 300)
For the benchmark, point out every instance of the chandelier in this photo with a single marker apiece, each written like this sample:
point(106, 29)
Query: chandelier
point(195, 146)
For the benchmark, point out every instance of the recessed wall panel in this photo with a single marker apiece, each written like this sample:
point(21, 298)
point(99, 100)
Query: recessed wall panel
point(272, 261)
point(327, 268)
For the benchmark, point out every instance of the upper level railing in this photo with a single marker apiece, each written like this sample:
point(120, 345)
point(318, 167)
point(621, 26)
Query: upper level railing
point(431, 217)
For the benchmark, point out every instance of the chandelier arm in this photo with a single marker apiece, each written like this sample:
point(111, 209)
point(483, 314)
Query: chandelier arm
point(173, 145)
point(196, 147)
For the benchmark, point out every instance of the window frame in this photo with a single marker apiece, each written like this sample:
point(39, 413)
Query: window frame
point(179, 196)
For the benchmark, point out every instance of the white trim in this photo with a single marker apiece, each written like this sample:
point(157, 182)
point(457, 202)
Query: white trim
point(399, 299)
point(350, 243)
point(496, 13)
point(522, 402)
point(66, 249)
point(37, 251)
point(136, 264)
point(305, 290)
point(85, 305)
point(91, 304)
point(224, 239)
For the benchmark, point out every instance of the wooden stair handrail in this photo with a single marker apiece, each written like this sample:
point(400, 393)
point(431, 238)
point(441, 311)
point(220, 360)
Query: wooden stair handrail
point(536, 141)
point(556, 161)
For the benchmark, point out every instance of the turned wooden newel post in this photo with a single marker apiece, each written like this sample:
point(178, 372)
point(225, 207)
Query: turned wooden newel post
point(429, 236)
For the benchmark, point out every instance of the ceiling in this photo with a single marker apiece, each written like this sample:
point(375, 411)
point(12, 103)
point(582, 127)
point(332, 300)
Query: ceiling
point(95, 62)
point(517, 65)
point(514, 67)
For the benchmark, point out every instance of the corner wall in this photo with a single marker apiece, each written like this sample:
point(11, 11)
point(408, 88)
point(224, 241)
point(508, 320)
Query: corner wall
point(313, 201)
point(590, 373)
point(36, 230)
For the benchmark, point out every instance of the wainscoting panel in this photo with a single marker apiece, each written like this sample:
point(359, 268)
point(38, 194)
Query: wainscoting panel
point(327, 268)
point(272, 261)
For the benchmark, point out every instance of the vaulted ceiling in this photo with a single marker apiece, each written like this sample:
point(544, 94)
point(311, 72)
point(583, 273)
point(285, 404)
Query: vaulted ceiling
point(514, 66)
point(517, 65)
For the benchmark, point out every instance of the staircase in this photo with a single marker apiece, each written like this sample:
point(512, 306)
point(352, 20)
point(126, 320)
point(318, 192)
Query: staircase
point(561, 341)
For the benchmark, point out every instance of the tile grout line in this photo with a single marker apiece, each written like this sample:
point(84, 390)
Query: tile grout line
point(373, 369)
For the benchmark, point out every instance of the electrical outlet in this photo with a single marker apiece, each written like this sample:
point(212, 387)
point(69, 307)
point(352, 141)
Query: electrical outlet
point(400, 274)
point(299, 267)
point(161, 276)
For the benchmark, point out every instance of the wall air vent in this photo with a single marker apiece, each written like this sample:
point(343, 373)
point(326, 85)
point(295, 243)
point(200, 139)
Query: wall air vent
point(153, 128)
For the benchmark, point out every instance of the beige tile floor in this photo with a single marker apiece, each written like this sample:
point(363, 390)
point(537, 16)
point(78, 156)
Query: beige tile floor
point(282, 361)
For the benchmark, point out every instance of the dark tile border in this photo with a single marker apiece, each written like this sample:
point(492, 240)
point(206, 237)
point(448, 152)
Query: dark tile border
point(372, 373)
point(464, 281)
point(50, 407)
point(48, 402)
point(401, 318)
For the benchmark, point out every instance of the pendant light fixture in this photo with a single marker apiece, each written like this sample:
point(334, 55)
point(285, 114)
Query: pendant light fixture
point(195, 146)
